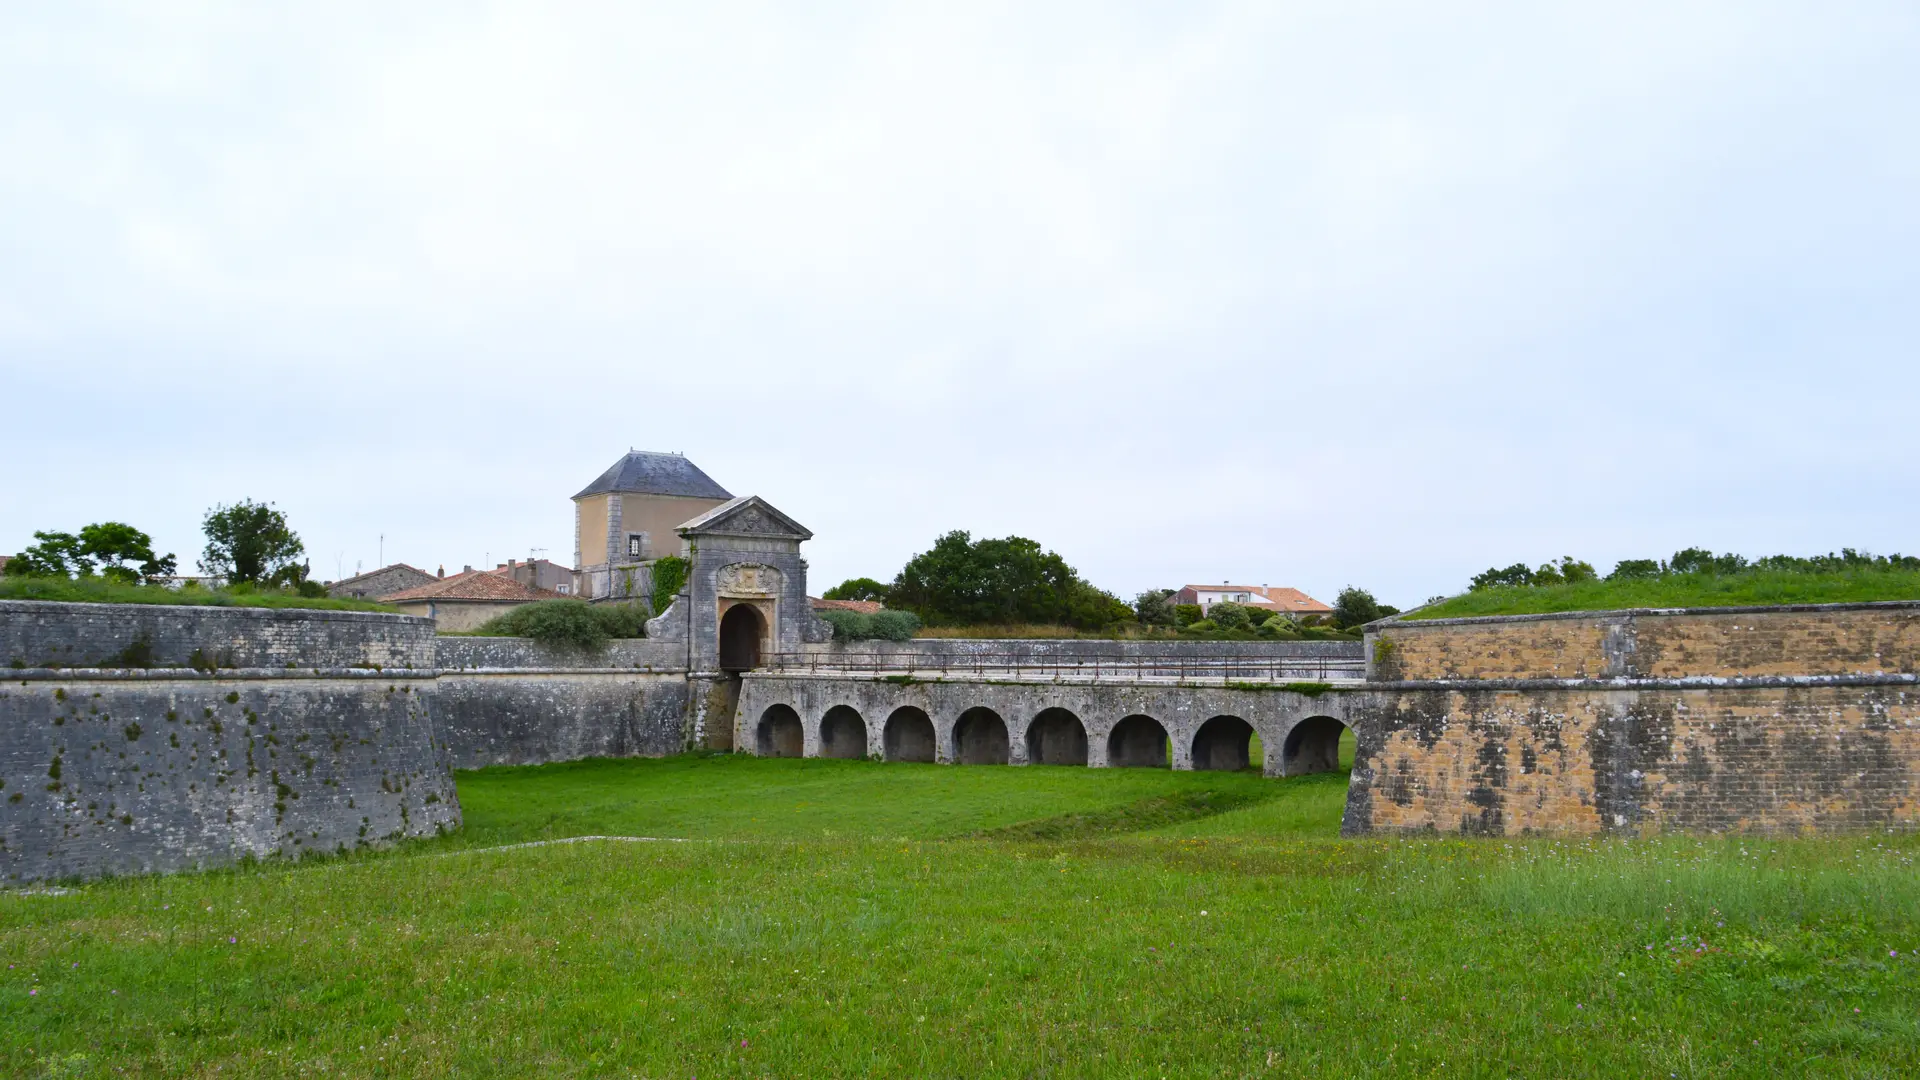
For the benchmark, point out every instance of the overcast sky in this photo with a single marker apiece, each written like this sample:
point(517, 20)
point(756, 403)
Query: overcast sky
point(1288, 293)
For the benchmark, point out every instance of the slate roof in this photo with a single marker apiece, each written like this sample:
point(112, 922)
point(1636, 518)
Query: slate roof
point(474, 585)
point(645, 473)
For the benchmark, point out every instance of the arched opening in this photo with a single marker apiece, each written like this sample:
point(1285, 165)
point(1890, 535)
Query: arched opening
point(843, 734)
point(980, 738)
point(1056, 737)
point(1317, 744)
point(741, 630)
point(1138, 742)
point(908, 735)
point(1222, 744)
point(780, 734)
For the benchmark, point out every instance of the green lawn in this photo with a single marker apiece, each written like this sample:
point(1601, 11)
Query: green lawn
point(100, 591)
point(833, 918)
point(1754, 587)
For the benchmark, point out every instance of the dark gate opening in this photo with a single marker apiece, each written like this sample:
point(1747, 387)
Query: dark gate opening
point(1056, 737)
point(741, 629)
point(1315, 745)
point(1223, 744)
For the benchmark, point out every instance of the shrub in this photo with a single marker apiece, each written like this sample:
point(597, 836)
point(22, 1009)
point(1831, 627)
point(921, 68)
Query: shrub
point(1154, 607)
point(881, 625)
point(1279, 628)
point(894, 625)
point(1186, 613)
point(1258, 616)
point(1635, 570)
point(1201, 626)
point(669, 577)
point(1229, 616)
point(569, 623)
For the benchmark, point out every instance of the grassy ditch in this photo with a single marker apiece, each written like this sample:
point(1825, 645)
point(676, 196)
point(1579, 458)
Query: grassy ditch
point(1755, 587)
point(850, 918)
point(99, 591)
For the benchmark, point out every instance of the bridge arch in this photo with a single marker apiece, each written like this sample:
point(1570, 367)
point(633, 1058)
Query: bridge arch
point(1056, 737)
point(780, 733)
point(1223, 744)
point(980, 738)
point(1312, 746)
point(843, 733)
point(1138, 741)
point(908, 735)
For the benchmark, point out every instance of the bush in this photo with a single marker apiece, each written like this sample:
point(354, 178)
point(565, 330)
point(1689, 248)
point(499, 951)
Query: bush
point(1154, 607)
point(1229, 616)
point(1201, 626)
point(1184, 614)
point(881, 625)
point(1279, 628)
point(569, 623)
point(1258, 616)
point(894, 625)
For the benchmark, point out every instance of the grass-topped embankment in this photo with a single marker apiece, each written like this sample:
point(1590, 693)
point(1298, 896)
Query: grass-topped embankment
point(102, 591)
point(1753, 587)
point(836, 918)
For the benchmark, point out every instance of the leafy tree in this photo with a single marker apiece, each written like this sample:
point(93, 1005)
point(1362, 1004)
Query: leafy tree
point(1702, 561)
point(964, 581)
point(1354, 607)
point(1186, 613)
point(1495, 578)
point(113, 549)
point(58, 554)
point(250, 543)
point(1228, 615)
point(859, 588)
point(1154, 607)
point(1636, 570)
point(112, 546)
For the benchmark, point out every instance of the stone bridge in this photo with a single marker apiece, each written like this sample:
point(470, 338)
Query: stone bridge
point(1103, 724)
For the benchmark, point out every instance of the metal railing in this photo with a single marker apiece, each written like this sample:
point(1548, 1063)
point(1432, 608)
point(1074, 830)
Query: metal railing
point(1183, 668)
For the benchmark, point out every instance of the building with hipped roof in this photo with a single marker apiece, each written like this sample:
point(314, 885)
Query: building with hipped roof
point(1291, 602)
point(629, 517)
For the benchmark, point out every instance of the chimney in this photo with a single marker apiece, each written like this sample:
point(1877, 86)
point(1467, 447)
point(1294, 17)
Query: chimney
point(443, 571)
point(466, 569)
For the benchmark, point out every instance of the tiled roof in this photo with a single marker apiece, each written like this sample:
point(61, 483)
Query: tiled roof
point(1275, 598)
point(864, 607)
point(482, 585)
point(644, 473)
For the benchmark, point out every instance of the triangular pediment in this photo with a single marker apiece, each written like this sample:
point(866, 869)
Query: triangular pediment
point(748, 515)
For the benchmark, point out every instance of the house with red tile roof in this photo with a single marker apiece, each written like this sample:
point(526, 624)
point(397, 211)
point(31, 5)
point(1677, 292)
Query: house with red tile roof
point(467, 599)
point(1286, 601)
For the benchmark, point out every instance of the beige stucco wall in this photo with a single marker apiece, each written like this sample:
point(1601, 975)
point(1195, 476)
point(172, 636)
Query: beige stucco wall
point(456, 614)
point(656, 515)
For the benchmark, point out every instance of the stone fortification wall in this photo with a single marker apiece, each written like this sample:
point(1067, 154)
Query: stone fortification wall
point(1774, 720)
point(528, 717)
point(37, 634)
point(1068, 649)
point(506, 653)
point(1809, 639)
point(135, 770)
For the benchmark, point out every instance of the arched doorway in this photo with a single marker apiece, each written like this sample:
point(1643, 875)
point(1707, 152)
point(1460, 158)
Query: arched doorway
point(780, 733)
point(980, 738)
point(1315, 745)
point(1056, 737)
point(908, 736)
point(741, 631)
point(1137, 742)
point(1222, 744)
point(843, 734)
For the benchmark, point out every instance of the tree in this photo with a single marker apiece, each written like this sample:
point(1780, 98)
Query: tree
point(112, 549)
point(1702, 561)
point(1228, 615)
point(1355, 607)
point(1495, 578)
point(111, 545)
point(250, 543)
point(964, 581)
point(859, 588)
point(1154, 607)
point(1636, 570)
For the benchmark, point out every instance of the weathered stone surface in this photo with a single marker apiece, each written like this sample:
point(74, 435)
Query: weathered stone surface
point(38, 634)
point(533, 717)
point(1808, 639)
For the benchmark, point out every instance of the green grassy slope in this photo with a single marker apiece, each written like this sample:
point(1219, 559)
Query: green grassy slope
point(815, 927)
point(1684, 590)
point(97, 591)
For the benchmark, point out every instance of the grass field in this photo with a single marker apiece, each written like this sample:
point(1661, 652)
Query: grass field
point(100, 591)
point(834, 918)
point(1753, 587)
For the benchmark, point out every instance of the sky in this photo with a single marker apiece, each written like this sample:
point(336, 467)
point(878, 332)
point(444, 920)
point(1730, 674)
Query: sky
point(1309, 294)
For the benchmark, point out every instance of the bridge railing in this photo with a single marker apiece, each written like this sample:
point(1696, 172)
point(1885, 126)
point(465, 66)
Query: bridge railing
point(1186, 667)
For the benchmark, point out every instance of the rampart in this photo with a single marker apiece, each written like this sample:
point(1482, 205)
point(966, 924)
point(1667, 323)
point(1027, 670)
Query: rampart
point(137, 739)
point(1764, 720)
